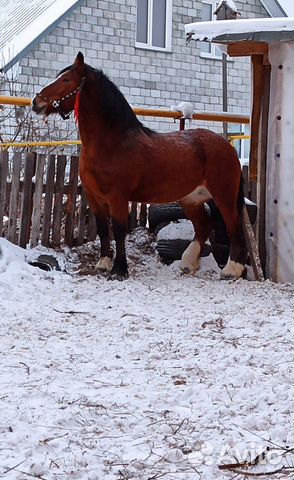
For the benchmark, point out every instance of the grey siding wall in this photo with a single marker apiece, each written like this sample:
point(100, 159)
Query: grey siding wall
point(105, 32)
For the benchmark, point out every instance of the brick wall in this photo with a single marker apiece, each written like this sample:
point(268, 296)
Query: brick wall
point(105, 32)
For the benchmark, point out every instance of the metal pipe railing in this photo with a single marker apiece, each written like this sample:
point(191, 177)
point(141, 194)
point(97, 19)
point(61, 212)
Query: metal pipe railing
point(146, 112)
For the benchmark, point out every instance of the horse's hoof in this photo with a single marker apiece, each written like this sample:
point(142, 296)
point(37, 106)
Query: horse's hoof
point(187, 271)
point(120, 276)
point(233, 271)
point(104, 265)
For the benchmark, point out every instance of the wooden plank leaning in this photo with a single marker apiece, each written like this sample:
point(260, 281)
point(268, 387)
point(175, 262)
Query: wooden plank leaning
point(252, 246)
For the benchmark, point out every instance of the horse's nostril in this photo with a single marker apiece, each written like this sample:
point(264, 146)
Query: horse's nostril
point(34, 102)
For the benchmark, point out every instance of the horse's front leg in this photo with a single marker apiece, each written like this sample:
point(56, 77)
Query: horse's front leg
point(102, 221)
point(119, 219)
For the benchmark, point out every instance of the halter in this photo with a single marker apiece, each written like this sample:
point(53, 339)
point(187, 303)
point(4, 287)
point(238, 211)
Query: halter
point(57, 103)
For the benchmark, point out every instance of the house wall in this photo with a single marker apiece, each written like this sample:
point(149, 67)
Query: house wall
point(105, 32)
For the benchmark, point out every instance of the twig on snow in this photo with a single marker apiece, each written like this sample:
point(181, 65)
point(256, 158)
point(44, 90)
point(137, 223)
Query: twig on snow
point(284, 470)
point(11, 468)
point(71, 312)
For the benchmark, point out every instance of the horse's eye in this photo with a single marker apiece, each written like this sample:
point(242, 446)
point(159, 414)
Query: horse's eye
point(66, 80)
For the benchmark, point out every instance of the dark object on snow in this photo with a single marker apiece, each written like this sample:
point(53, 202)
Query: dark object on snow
point(170, 250)
point(173, 249)
point(46, 262)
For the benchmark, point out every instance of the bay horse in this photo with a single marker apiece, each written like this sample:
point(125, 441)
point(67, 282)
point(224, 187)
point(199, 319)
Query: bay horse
point(122, 160)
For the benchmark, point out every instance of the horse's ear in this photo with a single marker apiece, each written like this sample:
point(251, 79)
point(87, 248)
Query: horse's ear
point(79, 61)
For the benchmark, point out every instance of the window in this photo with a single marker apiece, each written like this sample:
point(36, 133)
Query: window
point(154, 24)
point(208, 49)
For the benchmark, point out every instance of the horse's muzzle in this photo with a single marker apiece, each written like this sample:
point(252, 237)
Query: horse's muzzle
point(38, 107)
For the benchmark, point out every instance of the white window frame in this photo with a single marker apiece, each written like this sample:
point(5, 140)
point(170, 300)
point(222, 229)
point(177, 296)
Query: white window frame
point(168, 29)
point(212, 54)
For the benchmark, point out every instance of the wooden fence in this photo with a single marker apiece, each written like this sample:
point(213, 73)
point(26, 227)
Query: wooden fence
point(42, 201)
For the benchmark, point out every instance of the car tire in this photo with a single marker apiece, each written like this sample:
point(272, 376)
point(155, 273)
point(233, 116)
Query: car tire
point(162, 214)
point(170, 250)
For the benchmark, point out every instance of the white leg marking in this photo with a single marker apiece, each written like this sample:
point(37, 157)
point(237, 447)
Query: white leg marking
point(232, 270)
point(190, 262)
point(104, 264)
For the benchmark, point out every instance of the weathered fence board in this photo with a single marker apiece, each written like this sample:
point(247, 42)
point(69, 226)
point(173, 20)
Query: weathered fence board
point(48, 201)
point(37, 201)
point(71, 201)
point(82, 218)
point(143, 215)
point(27, 200)
point(3, 181)
point(58, 200)
point(55, 209)
point(14, 197)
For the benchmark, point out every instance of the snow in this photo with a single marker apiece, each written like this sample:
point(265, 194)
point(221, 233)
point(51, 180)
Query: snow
point(23, 22)
point(160, 376)
point(182, 229)
point(211, 30)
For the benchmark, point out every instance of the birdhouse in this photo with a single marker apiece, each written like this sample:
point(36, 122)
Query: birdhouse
point(226, 10)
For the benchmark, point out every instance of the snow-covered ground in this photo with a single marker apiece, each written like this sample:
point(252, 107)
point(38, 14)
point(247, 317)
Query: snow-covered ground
point(160, 376)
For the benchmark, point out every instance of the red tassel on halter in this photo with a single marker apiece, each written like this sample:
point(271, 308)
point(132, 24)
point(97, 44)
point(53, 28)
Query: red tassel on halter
point(77, 106)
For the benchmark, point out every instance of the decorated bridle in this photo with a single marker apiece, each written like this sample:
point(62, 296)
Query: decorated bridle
point(57, 103)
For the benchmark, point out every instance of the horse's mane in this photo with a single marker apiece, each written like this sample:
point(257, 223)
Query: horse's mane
point(114, 106)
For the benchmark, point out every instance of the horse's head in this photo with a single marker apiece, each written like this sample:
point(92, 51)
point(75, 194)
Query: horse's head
point(60, 95)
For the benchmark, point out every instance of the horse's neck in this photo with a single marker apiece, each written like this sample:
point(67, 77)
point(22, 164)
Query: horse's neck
point(94, 131)
point(95, 125)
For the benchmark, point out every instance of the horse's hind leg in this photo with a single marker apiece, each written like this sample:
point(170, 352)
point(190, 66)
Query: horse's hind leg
point(230, 205)
point(195, 210)
point(235, 267)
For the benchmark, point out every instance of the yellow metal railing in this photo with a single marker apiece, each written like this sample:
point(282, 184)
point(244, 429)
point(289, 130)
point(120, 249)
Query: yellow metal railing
point(57, 143)
point(146, 112)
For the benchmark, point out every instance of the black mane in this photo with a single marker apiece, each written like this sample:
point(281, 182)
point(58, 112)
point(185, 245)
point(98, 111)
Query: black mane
point(115, 108)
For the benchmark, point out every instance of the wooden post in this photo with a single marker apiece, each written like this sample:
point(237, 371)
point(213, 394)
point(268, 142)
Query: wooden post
point(225, 90)
point(261, 171)
point(258, 85)
point(182, 123)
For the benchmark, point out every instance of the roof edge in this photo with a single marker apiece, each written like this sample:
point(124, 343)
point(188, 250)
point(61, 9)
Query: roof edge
point(22, 53)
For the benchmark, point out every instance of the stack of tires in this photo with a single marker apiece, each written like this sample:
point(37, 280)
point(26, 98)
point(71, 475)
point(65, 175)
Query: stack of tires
point(171, 248)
